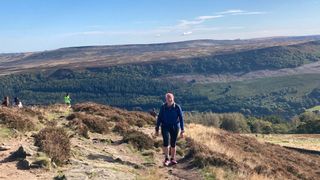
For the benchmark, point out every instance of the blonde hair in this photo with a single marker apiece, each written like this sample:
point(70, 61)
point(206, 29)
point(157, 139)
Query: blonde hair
point(170, 95)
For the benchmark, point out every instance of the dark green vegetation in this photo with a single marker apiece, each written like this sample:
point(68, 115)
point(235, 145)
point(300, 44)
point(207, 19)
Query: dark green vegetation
point(140, 85)
point(284, 96)
point(308, 123)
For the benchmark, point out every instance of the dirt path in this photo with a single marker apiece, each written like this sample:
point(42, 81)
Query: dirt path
point(9, 170)
point(178, 171)
point(100, 157)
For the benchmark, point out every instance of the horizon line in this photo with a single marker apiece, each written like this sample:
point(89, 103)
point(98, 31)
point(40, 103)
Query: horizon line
point(158, 43)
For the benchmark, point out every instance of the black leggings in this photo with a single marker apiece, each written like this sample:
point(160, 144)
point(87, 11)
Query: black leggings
point(169, 131)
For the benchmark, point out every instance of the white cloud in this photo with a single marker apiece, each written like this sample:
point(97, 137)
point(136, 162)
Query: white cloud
point(198, 20)
point(240, 12)
point(187, 33)
point(232, 11)
point(185, 23)
point(209, 17)
point(250, 13)
point(183, 27)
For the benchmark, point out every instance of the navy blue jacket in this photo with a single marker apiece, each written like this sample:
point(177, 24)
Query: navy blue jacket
point(170, 116)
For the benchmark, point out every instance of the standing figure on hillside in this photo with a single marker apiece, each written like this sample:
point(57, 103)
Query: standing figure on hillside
point(171, 120)
point(67, 100)
point(17, 102)
point(153, 113)
point(6, 101)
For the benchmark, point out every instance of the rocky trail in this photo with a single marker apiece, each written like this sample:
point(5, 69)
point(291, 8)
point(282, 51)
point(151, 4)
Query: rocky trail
point(93, 141)
point(102, 156)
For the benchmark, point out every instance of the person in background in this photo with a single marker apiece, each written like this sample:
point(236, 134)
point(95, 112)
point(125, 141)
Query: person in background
point(153, 113)
point(18, 103)
point(67, 100)
point(171, 120)
point(6, 101)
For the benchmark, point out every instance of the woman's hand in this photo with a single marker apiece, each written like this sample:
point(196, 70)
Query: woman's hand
point(156, 133)
point(182, 134)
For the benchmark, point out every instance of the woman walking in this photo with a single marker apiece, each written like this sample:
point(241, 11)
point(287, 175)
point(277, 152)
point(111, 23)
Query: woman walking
point(170, 119)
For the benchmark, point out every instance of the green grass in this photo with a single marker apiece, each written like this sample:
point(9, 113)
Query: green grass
point(302, 83)
point(43, 160)
point(208, 174)
point(305, 141)
point(284, 96)
point(5, 133)
point(316, 108)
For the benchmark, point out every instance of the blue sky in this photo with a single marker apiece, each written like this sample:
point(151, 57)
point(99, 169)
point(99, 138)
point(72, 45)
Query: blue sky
point(33, 25)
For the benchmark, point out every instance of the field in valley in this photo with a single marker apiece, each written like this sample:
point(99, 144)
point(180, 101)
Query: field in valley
point(304, 141)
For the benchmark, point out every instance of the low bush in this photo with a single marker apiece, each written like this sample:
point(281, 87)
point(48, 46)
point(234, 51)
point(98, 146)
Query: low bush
point(84, 122)
point(133, 118)
point(139, 140)
point(205, 118)
point(234, 122)
point(260, 126)
point(80, 128)
point(55, 142)
point(121, 127)
point(97, 125)
point(13, 119)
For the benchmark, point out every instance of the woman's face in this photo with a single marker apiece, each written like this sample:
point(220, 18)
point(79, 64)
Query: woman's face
point(169, 100)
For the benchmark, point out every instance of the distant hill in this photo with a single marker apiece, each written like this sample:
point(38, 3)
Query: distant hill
point(259, 77)
point(93, 56)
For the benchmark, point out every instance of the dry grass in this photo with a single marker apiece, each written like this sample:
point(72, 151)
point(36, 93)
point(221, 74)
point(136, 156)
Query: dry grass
point(207, 134)
point(55, 142)
point(100, 118)
point(255, 160)
point(79, 127)
point(133, 118)
point(84, 122)
point(97, 125)
point(121, 127)
point(151, 174)
point(48, 113)
point(202, 156)
point(222, 173)
point(305, 141)
point(31, 117)
point(139, 140)
point(17, 119)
